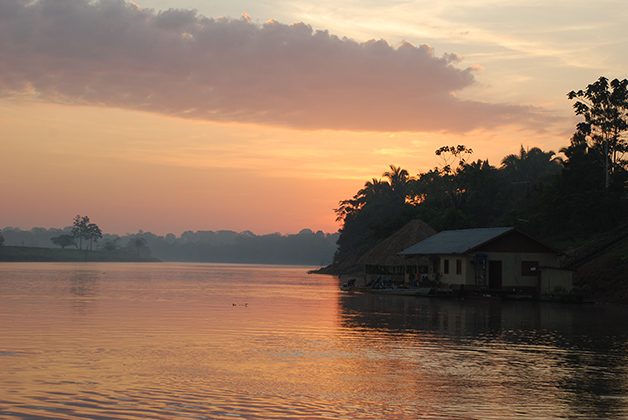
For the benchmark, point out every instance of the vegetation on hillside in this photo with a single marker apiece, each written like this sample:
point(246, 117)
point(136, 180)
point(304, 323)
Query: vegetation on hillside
point(560, 199)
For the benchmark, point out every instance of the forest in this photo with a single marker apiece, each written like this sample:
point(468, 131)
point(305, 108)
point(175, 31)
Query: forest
point(225, 246)
point(562, 197)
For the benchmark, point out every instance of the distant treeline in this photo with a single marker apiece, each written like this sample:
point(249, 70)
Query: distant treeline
point(36, 254)
point(305, 248)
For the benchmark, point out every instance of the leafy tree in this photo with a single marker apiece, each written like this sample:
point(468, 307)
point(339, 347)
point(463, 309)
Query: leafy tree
point(482, 197)
point(93, 233)
point(1, 238)
point(531, 165)
point(79, 228)
point(522, 175)
point(450, 154)
point(441, 187)
point(398, 180)
point(83, 229)
point(604, 107)
point(63, 241)
point(576, 198)
point(139, 244)
point(111, 245)
point(373, 213)
point(430, 189)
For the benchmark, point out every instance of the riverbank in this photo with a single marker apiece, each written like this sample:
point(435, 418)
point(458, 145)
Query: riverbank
point(602, 277)
point(33, 254)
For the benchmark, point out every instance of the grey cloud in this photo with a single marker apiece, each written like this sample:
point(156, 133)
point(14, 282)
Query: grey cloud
point(112, 53)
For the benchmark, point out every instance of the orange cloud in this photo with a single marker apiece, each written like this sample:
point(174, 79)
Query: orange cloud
point(179, 63)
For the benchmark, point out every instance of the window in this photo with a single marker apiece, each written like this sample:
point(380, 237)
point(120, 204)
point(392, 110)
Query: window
point(528, 268)
point(458, 266)
point(446, 266)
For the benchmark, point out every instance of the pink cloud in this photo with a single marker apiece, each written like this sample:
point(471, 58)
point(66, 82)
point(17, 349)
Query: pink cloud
point(111, 53)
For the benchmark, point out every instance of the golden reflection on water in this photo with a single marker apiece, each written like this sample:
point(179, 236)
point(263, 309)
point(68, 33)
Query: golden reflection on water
point(125, 341)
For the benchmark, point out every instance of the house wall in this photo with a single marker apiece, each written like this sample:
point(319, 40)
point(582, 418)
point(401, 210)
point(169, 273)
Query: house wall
point(555, 279)
point(513, 273)
point(452, 276)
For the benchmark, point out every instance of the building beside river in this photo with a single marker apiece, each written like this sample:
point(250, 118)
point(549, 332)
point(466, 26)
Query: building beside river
point(500, 259)
point(384, 261)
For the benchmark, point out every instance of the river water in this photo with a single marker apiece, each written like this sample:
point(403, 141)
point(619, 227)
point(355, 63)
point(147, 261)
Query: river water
point(208, 341)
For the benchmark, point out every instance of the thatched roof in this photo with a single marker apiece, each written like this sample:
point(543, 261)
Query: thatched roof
point(386, 252)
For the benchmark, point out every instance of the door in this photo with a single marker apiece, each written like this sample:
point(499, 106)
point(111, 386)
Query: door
point(495, 274)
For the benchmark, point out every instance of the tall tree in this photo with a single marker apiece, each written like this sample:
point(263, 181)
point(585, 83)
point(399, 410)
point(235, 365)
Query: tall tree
point(451, 154)
point(373, 214)
point(93, 233)
point(531, 165)
point(398, 179)
point(79, 229)
point(604, 107)
point(83, 229)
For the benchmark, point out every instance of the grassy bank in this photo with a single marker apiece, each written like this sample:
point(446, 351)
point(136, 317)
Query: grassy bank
point(32, 254)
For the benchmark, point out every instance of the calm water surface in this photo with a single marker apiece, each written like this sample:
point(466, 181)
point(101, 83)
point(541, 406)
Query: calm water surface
point(168, 341)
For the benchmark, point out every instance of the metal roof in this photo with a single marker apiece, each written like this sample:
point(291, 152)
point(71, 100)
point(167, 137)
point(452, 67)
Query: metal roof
point(454, 241)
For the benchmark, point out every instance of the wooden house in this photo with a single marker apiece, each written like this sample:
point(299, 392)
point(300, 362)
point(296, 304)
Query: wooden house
point(493, 259)
point(384, 261)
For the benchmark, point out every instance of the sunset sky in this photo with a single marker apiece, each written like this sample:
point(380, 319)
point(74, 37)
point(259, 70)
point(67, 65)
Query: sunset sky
point(174, 115)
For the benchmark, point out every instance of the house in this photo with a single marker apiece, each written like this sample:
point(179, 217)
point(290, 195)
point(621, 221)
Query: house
point(384, 261)
point(501, 259)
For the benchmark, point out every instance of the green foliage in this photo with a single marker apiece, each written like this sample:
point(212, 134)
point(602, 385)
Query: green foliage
point(111, 245)
point(372, 213)
point(604, 107)
point(63, 241)
point(305, 248)
point(83, 229)
point(449, 154)
point(139, 245)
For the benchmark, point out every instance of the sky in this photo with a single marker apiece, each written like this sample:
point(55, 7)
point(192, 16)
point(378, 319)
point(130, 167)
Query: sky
point(175, 115)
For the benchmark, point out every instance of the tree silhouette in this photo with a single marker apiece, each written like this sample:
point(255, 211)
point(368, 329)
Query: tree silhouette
point(531, 165)
point(83, 229)
point(604, 107)
point(63, 241)
point(370, 215)
point(450, 154)
point(93, 233)
point(398, 179)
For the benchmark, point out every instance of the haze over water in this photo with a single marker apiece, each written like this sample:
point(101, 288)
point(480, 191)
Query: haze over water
point(161, 341)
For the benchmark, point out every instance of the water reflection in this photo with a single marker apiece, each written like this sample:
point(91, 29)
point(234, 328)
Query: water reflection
point(535, 354)
point(117, 341)
point(83, 287)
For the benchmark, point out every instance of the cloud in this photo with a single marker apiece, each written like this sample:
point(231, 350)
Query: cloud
point(177, 62)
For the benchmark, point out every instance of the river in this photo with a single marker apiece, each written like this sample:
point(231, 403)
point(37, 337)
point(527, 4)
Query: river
point(211, 341)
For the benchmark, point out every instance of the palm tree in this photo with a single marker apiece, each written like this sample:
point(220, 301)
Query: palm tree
point(399, 180)
point(397, 177)
point(372, 190)
point(531, 165)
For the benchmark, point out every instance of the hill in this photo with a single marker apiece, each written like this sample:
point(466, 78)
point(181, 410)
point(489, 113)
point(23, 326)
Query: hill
point(605, 275)
point(35, 254)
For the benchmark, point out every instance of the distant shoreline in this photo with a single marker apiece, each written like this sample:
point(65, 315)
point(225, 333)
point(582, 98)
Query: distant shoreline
point(35, 254)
